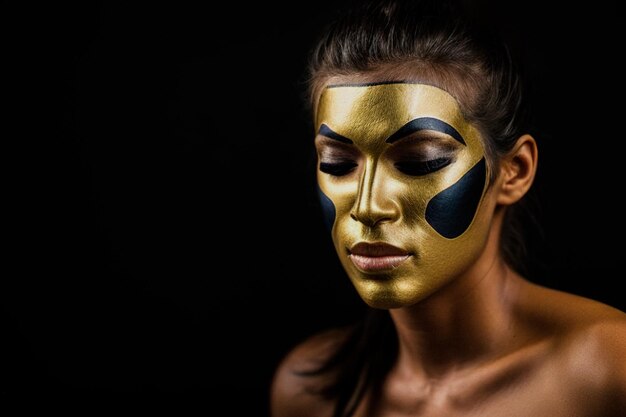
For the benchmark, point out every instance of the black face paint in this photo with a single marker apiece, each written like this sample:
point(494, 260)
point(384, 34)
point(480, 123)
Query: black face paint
point(425, 123)
point(328, 209)
point(451, 211)
point(329, 133)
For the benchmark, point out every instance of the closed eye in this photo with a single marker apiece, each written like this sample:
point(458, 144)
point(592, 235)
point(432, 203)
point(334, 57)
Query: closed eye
point(337, 169)
point(419, 168)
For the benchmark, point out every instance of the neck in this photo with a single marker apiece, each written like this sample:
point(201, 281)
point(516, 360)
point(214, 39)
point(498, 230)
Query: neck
point(462, 323)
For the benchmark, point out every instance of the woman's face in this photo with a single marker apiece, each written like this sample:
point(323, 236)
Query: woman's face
point(402, 177)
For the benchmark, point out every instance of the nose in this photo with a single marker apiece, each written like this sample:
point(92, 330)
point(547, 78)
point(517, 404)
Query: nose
point(373, 203)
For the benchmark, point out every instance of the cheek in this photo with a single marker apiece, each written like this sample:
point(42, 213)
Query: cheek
point(328, 209)
point(336, 199)
point(451, 211)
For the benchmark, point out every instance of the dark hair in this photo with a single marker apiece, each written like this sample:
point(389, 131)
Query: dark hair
point(452, 46)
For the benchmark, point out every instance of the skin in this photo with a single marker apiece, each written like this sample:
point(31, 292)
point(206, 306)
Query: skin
point(483, 341)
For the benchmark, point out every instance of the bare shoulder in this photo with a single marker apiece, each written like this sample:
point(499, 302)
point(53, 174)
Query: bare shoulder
point(590, 347)
point(593, 358)
point(295, 387)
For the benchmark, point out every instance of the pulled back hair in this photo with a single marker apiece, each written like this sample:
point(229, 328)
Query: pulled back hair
point(448, 44)
point(441, 41)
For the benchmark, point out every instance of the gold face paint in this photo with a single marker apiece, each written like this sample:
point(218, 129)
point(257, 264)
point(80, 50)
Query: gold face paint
point(403, 176)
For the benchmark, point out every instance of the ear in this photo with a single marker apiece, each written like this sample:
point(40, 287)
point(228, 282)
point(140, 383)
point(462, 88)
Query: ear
point(517, 170)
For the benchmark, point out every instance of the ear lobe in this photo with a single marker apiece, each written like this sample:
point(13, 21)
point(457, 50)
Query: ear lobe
point(517, 170)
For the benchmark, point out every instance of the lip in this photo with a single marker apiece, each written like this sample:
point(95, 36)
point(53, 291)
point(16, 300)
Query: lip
point(377, 257)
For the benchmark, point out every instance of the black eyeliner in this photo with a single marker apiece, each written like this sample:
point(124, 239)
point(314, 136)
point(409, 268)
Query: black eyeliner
point(337, 169)
point(418, 168)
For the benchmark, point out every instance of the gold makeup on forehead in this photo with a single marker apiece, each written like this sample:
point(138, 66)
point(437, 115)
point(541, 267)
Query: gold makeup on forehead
point(371, 112)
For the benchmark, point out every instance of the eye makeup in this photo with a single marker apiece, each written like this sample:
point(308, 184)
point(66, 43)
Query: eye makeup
point(336, 158)
point(337, 169)
point(423, 153)
point(416, 155)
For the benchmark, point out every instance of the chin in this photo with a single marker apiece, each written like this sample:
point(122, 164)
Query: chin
point(384, 304)
point(389, 293)
point(390, 301)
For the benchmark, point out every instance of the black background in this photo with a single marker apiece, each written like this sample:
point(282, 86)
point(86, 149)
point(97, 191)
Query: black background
point(166, 236)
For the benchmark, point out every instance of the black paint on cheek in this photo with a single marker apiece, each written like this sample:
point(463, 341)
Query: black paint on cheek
point(328, 210)
point(451, 211)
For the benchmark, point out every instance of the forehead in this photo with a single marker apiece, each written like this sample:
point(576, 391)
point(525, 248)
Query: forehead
point(379, 109)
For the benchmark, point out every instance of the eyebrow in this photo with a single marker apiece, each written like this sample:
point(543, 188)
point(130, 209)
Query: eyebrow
point(331, 134)
point(425, 123)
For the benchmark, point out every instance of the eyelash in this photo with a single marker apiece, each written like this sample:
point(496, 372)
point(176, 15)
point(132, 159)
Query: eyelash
point(337, 169)
point(418, 168)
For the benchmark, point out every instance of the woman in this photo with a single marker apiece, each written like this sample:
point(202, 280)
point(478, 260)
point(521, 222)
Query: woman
point(421, 126)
